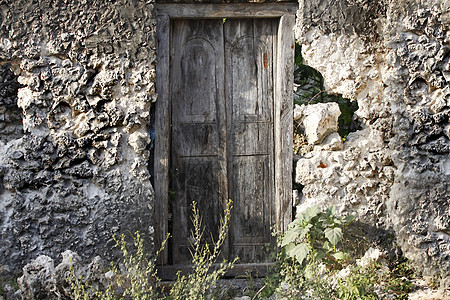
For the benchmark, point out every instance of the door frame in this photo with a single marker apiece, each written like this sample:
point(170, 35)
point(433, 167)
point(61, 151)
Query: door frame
point(283, 103)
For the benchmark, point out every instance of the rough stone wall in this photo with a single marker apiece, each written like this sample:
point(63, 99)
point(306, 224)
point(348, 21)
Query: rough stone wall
point(76, 87)
point(393, 58)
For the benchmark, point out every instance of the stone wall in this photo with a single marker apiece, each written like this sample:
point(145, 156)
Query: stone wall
point(77, 87)
point(393, 58)
point(76, 90)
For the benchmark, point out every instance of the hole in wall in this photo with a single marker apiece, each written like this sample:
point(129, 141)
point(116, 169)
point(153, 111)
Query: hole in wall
point(309, 89)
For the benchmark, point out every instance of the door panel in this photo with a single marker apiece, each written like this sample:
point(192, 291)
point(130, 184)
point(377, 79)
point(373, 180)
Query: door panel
point(251, 138)
point(222, 103)
point(196, 180)
point(198, 168)
point(249, 45)
point(198, 86)
point(253, 205)
point(249, 49)
point(194, 139)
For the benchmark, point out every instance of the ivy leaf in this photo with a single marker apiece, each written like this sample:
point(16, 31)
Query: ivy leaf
point(300, 252)
point(327, 246)
point(337, 221)
point(309, 272)
point(295, 234)
point(289, 248)
point(334, 235)
point(331, 210)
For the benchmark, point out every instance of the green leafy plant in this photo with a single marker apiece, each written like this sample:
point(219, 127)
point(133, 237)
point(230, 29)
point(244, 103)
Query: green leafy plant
point(314, 237)
point(309, 249)
point(399, 279)
point(359, 284)
point(314, 262)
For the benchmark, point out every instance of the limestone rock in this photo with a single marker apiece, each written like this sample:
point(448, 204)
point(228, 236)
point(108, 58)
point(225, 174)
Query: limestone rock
point(331, 143)
point(37, 281)
point(371, 255)
point(70, 88)
point(317, 120)
point(139, 141)
point(41, 280)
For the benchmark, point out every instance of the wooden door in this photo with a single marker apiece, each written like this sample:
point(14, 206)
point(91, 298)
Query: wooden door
point(222, 109)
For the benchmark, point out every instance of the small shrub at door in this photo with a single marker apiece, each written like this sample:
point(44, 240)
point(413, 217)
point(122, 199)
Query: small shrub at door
point(197, 284)
point(313, 262)
point(138, 278)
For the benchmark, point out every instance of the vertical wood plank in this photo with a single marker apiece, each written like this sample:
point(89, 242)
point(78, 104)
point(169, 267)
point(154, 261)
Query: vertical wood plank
point(283, 121)
point(162, 135)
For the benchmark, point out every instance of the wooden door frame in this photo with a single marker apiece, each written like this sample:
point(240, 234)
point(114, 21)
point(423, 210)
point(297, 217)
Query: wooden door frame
point(283, 103)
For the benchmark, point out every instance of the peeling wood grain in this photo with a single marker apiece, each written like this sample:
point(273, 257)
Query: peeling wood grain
point(283, 121)
point(162, 135)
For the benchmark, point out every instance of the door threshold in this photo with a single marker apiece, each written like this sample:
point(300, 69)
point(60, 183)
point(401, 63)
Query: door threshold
point(255, 270)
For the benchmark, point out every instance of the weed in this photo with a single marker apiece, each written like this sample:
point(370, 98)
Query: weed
point(8, 284)
point(196, 284)
point(315, 263)
point(81, 290)
point(314, 236)
point(139, 279)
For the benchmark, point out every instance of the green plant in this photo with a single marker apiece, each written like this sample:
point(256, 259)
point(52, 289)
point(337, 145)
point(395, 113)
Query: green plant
point(140, 279)
point(80, 289)
point(310, 251)
point(314, 262)
point(399, 280)
point(314, 236)
point(196, 284)
point(433, 281)
point(359, 284)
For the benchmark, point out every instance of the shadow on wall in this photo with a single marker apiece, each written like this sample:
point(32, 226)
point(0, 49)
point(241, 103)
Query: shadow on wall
point(10, 113)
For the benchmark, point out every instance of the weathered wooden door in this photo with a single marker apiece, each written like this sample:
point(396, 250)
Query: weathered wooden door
point(222, 99)
point(224, 124)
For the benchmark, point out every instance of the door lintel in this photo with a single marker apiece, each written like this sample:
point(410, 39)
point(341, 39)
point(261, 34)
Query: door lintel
point(219, 11)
